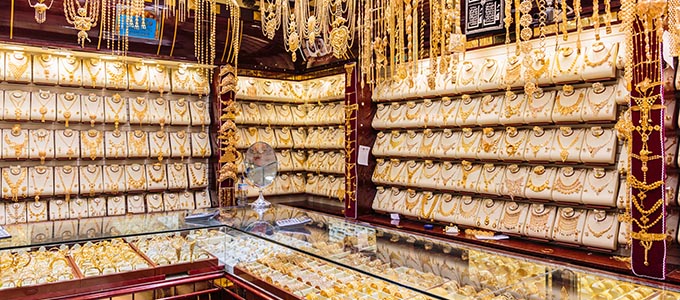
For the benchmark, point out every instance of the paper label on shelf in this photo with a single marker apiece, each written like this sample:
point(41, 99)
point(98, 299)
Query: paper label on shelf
point(395, 222)
point(362, 157)
point(394, 216)
point(495, 237)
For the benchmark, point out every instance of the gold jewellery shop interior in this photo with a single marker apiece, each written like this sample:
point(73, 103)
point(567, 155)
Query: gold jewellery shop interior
point(339, 149)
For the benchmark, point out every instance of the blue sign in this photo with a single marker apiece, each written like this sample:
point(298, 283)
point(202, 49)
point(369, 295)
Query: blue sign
point(137, 29)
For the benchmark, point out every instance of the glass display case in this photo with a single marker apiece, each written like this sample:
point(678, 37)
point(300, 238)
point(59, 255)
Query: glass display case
point(437, 268)
point(327, 258)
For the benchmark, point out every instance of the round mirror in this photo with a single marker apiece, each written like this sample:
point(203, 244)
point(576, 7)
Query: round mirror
point(260, 168)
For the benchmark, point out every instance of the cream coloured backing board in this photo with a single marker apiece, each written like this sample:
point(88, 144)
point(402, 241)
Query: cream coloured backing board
point(159, 145)
point(181, 81)
point(179, 112)
point(41, 144)
point(567, 64)
point(116, 205)
point(186, 200)
point(158, 111)
point(138, 75)
point(116, 75)
point(78, 208)
point(2, 71)
point(200, 114)
point(600, 187)
point(114, 179)
point(154, 203)
point(14, 183)
point(489, 214)
point(69, 107)
point(569, 106)
point(539, 145)
point(58, 209)
point(468, 211)
point(15, 213)
point(514, 181)
point(136, 178)
point(3, 216)
point(92, 108)
point(159, 78)
point(600, 60)
point(138, 143)
point(567, 145)
point(15, 144)
point(43, 105)
point(45, 69)
point(567, 218)
point(116, 109)
point(601, 230)
point(37, 211)
point(18, 67)
point(284, 138)
point(156, 177)
point(202, 199)
point(513, 217)
point(139, 110)
point(91, 180)
point(17, 105)
point(600, 104)
point(200, 145)
point(180, 144)
point(136, 204)
point(94, 73)
point(66, 181)
point(568, 185)
point(599, 146)
point(70, 71)
point(171, 202)
point(447, 208)
point(67, 144)
point(91, 144)
point(490, 73)
point(540, 221)
point(198, 175)
point(96, 207)
point(40, 182)
point(116, 145)
point(540, 183)
point(539, 108)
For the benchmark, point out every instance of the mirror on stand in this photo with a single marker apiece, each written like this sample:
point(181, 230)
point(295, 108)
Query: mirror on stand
point(260, 168)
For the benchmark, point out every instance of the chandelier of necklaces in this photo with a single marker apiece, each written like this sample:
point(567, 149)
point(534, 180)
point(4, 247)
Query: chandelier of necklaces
point(82, 17)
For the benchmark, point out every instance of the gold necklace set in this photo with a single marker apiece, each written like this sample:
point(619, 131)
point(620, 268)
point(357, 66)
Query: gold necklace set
point(515, 186)
point(570, 109)
point(45, 62)
point(433, 200)
point(599, 47)
point(138, 140)
point(539, 171)
point(566, 53)
point(537, 133)
point(65, 135)
point(18, 99)
point(510, 218)
point(140, 113)
point(489, 175)
point(120, 104)
point(138, 184)
point(489, 208)
point(599, 217)
point(510, 108)
point(446, 199)
point(467, 135)
point(513, 147)
point(412, 110)
point(68, 185)
point(568, 189)
point(567, 132)
point(160, 139)
point(115, 72)
point(467, 202)
point(198, 174)
point(466, 102)
point(92, 139)
point(70, 76)
point(17, 64)
point(489, 104)
point(539, 219)
point(536, 109)
point(91, 177)
point(18, 146)
point(597, 133)
point(44, 176)
point(94, 113)
point(113, 184)
point(160, 110)
point(137, 68)
point(15, 186)
point(490, 140)
point(66, 112)
point(598, 91)
point(91, 64)
point(567, 223)
point(599, 174)
point(180, 141)
point(43, 100)
point(179, 176)
point(116, 149)
point(156, 168)
point(42, 138)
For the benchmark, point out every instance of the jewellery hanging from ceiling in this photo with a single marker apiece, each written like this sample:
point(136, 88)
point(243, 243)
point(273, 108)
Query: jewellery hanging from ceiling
point(82, 17)
point(118, 16)
point(331, 23)
point(204, 31)
point(40, 10)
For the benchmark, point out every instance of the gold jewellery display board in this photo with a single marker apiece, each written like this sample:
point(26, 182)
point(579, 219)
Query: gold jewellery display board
point(303, 120)
point(547, 166)
point(90, 136)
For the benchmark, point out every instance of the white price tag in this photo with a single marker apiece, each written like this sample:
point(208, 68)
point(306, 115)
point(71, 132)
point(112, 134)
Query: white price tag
point(362, 157)
point(394, 216)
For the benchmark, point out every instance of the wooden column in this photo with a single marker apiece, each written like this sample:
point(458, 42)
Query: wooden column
point(646, 143)
point(358, 132)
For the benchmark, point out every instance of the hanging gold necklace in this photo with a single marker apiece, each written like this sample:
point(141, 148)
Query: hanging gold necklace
point(83, 18)
point(40, 10)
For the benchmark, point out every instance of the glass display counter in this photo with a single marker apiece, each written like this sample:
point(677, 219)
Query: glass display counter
point(328, 258)
point(437, 268)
